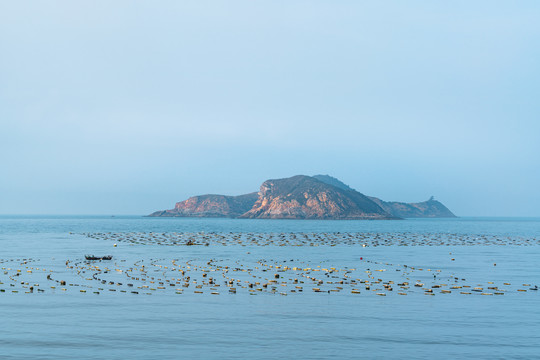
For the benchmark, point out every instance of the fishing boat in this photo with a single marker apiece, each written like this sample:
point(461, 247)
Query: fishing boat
point(92, 257)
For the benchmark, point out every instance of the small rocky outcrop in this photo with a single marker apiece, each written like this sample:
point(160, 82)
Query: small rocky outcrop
point(426, 209)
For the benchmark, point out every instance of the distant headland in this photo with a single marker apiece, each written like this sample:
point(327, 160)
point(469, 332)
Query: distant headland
point(304, 197)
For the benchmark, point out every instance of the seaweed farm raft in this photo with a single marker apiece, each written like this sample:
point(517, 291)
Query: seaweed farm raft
point(313, 239)
point(278, 264)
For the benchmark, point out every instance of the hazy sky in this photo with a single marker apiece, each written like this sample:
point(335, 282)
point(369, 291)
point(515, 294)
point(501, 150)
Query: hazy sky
point(125, 107)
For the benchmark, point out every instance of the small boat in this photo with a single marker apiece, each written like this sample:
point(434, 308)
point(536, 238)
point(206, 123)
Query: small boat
point(92, 257)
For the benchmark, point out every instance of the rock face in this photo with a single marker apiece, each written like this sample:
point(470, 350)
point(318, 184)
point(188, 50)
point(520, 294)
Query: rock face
point(211, 206)
point(303, 197)
point(427, 209)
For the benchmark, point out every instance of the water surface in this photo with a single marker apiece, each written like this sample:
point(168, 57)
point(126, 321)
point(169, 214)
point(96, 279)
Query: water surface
point(66, 324)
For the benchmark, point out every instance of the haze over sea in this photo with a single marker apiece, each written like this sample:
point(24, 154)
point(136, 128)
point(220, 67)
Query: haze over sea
point(63, 324)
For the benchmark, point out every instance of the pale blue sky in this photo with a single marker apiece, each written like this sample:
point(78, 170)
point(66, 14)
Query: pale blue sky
point(125, 107)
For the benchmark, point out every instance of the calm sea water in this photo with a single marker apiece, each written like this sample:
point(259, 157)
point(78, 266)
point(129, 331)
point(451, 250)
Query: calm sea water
point(71, 324)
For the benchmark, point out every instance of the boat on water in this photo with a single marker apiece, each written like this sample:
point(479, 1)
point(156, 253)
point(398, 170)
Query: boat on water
point(92, 257)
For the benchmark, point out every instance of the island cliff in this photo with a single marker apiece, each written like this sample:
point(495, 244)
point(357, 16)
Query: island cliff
point(212, 206)
point(303, 197)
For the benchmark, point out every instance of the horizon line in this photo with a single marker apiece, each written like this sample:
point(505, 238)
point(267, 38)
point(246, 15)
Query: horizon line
point(196, 217)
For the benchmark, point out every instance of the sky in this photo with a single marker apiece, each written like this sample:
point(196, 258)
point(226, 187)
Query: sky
point(126, 107)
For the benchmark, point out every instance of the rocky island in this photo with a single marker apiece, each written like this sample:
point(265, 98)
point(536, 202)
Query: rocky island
point(304, 197)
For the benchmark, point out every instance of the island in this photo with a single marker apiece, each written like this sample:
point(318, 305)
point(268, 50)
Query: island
point(304, 197)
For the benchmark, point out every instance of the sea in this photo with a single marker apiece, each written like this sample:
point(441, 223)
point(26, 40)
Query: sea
point(306, 289)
